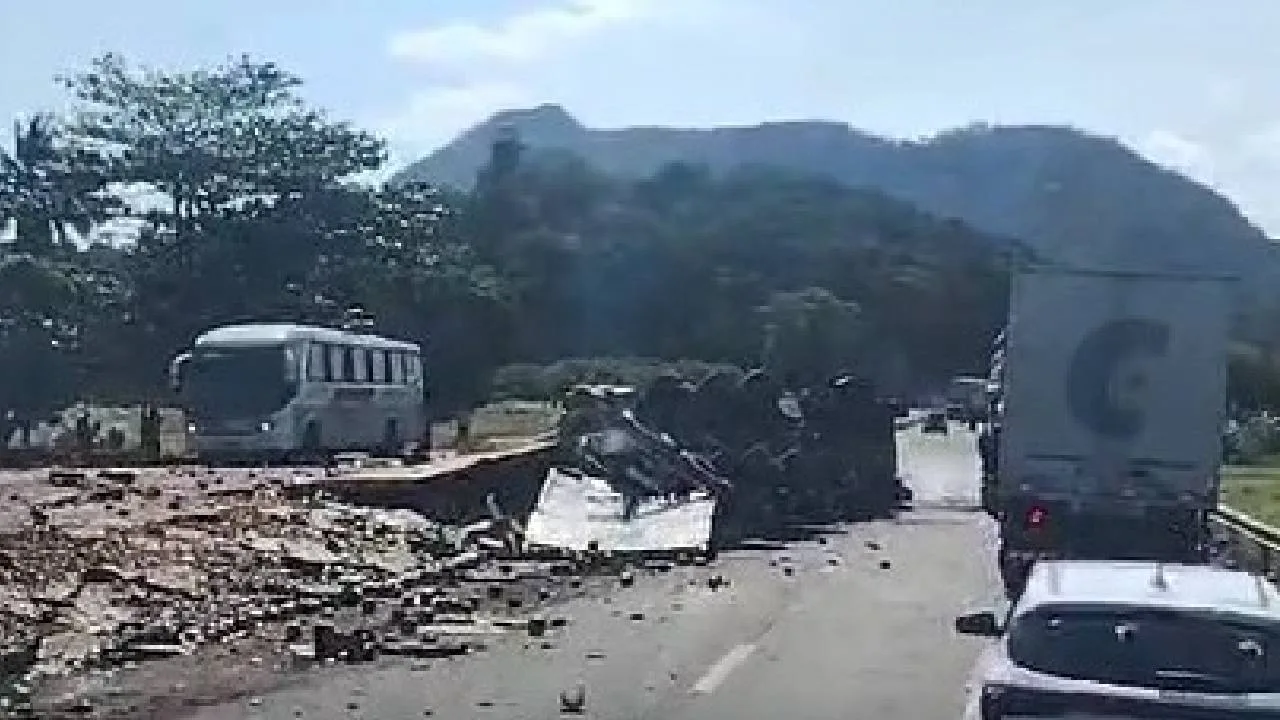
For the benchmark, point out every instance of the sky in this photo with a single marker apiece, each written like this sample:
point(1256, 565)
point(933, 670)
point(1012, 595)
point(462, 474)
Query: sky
point(1191, 84)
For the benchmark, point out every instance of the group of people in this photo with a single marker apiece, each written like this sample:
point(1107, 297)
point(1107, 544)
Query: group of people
point(86, 432)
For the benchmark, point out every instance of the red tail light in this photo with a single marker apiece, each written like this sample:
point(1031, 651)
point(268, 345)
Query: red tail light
point(1037, 517)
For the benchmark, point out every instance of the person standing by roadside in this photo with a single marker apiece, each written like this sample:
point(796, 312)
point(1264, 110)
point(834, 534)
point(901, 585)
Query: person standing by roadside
point(149, 432)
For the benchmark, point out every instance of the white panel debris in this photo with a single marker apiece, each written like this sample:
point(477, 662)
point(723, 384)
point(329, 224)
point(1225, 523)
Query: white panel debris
point(574, 510)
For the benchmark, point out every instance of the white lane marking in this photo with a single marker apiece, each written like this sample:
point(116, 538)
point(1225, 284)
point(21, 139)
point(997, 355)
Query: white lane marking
point(718, 672)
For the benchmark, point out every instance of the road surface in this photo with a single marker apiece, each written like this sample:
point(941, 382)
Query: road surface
point(855, 625)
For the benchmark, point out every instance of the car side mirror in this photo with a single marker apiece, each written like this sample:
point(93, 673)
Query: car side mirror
point(982, 624)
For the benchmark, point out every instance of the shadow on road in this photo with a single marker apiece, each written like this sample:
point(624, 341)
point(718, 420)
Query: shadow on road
point(778, 535)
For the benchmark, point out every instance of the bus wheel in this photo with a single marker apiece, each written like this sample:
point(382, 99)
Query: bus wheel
point(392, 445)
point(311, 451)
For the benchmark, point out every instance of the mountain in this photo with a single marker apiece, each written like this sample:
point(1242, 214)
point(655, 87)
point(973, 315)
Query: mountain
point(1072, 196)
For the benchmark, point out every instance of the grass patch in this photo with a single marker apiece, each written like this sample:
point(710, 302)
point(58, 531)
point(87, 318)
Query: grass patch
point(1266, 461)
point(1253, 490)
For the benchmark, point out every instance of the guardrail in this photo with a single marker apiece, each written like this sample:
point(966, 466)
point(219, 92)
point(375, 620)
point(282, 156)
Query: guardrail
point(1254, 545)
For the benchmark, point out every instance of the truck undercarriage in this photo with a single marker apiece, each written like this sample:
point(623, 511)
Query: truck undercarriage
point(1032, 531)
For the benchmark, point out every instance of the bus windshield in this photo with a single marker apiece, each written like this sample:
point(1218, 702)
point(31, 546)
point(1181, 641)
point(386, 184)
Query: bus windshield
point(236, 383)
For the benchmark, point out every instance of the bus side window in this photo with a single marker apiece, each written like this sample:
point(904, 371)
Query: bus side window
point(317, 362)
point(360, 363)
point(377, 366)
point(337, 361)
point(397, 368)
point(348, 363)
point(292, 364)
point(413, 368)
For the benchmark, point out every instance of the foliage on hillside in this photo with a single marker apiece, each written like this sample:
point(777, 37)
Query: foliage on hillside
point(1070, 195)
point(544, 259)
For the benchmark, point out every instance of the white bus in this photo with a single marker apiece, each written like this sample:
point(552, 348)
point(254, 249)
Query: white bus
point(281, 390)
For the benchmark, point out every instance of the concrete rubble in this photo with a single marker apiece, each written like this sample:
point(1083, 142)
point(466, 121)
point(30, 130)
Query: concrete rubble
point(101, 572)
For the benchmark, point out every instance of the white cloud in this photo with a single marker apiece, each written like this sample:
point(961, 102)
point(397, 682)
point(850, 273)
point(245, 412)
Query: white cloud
point(1179, 153)
point(1264, 145)
point(433, 116)
point(517, 39)
point(498, 66)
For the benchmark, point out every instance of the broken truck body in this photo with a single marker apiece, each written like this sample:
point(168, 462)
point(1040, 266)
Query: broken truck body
point(688, 466)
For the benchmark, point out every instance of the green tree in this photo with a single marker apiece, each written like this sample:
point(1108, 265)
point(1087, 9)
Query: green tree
point(49, 189)
point(39, 338)
point(213, 139)
point(253, 181)
point(809, 335)
point(51, 194)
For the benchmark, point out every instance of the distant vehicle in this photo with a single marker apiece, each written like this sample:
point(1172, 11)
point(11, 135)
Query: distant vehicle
point(934, 422)
point(1113, 396)
point(956, 411)
point(281, 389)
point(1130, 640)
point(898, 406)
point(967, 398)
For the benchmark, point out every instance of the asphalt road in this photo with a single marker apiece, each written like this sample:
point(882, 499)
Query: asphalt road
point(860, 626)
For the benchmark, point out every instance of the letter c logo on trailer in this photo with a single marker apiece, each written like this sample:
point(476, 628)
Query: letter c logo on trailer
point(1108, 369)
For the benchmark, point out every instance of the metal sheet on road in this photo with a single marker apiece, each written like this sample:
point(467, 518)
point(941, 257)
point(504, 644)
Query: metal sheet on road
point(575, 510)
point(942, 470)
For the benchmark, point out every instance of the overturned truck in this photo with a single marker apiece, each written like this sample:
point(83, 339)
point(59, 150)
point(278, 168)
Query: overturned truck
point(769, 456)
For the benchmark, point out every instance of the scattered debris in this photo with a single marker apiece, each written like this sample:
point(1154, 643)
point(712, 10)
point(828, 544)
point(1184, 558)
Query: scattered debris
point(101, 572)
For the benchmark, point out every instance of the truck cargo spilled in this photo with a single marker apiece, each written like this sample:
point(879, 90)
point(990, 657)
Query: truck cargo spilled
point(701, 466)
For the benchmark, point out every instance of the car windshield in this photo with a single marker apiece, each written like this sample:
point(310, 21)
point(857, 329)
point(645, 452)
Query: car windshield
point(236, 383)
point(1150, 648)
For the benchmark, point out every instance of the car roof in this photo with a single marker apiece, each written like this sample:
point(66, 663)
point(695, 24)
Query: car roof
point(250, 334)
point(1149, 584)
